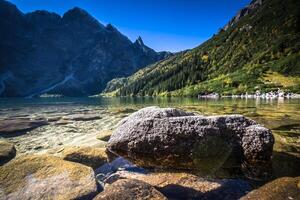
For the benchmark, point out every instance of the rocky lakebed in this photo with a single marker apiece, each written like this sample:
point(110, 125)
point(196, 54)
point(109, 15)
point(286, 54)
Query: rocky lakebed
point(148, 153)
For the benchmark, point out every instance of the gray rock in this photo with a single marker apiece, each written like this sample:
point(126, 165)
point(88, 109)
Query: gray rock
point(7, 152)
point(171, 138)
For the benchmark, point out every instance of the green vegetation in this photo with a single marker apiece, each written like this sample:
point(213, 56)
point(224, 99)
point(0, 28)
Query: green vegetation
point(261, 51)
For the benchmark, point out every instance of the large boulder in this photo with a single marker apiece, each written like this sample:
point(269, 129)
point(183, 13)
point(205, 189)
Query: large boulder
point(172, 138)
point(7, 151)
point(130, 189)
point(46, 177)
point(282, 188)
point(92, 157)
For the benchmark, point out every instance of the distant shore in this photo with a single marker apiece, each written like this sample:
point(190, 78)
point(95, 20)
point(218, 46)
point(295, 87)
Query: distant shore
point(258, 95)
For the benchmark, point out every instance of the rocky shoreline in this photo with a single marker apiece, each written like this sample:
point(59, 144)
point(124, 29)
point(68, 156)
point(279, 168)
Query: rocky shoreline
point(154, 153)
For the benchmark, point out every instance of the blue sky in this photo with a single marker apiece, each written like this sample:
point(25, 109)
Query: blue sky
point(171, 25)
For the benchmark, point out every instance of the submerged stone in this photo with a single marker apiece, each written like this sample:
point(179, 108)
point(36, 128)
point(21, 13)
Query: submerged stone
point(46, 177)
point(177, 186)
point(92, 157)
point(281, 188)
point(125, 189)
point(104, 135)
point(17, 126)
point(81, 117)
point(7, 152)
point(173, 139)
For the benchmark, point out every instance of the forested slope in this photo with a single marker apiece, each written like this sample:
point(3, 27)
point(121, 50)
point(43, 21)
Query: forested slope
point(258, 49)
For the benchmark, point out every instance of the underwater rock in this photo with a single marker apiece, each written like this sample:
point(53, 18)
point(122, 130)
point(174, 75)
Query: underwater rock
point(177, 186)
point(7, 152)
point(92, 157)
point(11, 127)
point(81, 117)
point(173, 139)
point(281, 188)
point(125, 189)
point(104, 135)
point(46, 177)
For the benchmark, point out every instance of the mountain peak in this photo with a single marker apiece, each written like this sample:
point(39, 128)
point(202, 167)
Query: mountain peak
point(110, 27)
point(80, 16)
point(8, 10)
point(139, 41)
point(254, 4)
point(76, 11)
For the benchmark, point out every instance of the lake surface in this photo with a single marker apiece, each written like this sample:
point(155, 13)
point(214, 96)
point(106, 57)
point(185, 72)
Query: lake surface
point(66, 128)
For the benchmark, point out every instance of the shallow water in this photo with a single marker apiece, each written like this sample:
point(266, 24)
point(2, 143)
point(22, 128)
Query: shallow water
point(282, 116)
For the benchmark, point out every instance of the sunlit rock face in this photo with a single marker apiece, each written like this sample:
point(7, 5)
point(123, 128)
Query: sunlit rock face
point(75, 55)
point(173, 139)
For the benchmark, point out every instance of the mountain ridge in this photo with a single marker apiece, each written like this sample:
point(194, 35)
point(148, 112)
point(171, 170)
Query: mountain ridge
point(74, 51)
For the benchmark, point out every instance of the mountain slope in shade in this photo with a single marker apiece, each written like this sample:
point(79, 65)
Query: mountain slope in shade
point(258, 49)
point(74, 55)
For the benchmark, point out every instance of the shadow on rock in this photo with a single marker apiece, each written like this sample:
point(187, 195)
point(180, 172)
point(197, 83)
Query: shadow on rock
point(285, 164)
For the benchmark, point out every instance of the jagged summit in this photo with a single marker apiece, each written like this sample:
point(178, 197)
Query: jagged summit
point(80, 16)
point(254, 4)
point(139, 41)
point(110, 27)
point(76, 11)
point(42, 14)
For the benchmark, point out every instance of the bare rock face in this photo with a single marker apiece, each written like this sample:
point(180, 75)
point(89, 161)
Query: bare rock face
point(171, 138)
point(7, 152)
point(282, 188)
point(125, 189)
point(46, 177)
